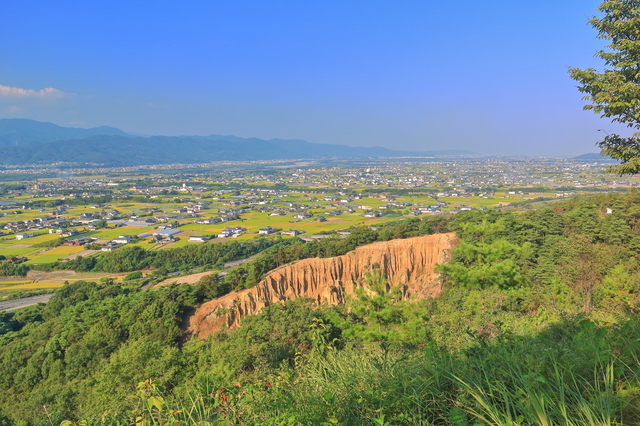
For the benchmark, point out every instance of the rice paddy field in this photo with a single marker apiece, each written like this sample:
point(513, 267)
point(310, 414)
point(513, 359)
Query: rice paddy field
point(53, 254)
point(10, 251)
point(28, 284)
point(52, 280)
point(31, 286)
point(14, 282)
point(319, 187)
point(253, 221)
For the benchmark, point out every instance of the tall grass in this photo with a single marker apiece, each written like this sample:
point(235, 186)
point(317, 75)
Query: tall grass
point(559, 399)
point(577, 374)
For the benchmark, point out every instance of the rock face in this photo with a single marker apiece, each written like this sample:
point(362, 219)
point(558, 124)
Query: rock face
point(409, 262)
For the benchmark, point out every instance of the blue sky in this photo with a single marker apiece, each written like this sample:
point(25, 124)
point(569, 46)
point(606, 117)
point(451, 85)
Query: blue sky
point(417, 75)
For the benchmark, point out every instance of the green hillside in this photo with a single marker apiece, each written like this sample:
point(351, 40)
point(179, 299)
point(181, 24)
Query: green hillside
point(537, 325)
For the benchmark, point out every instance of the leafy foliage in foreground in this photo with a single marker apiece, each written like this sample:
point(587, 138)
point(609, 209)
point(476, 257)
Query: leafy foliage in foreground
point(614, 92)
point(586, 375)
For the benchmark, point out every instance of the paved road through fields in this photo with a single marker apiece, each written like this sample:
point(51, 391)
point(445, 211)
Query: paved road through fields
point(12, 305)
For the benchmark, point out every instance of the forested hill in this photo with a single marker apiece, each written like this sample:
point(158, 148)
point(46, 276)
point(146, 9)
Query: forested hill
point(537, 324)
point(107, 146)
point(594, 157)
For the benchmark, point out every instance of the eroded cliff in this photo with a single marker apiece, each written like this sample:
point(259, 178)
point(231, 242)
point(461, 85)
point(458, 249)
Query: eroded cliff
point(409, 262)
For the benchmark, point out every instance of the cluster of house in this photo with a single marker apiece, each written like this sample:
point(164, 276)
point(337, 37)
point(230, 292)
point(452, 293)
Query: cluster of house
point(34, 224)
point(434, 208)
point(80, 241)
point(268, 230)
point(163, 236)
point(16, 226)
point(86, 218)
point(166, 235)
point(23, 235)
point(232, 232)
point(395, 205)
point(167, 223)
point(117, 242)
point(280, 211)
point(454, 194)
point(199, 238)
point(338, 212)
point(163, 189)
point(192, 208)
point(218, 219)
point(56, 225)
point(461, 207)
point(63, 232)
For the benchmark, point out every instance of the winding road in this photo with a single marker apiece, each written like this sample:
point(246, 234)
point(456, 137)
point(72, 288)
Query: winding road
point(12, 305)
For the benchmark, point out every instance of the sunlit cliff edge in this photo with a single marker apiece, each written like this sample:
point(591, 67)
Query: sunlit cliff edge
point(410, 262)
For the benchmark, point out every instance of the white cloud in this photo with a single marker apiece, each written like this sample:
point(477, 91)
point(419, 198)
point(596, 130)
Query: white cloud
point(16, 92)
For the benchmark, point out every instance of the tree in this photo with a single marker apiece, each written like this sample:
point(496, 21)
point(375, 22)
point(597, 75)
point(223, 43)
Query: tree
point(615, 92)
point(484, 258)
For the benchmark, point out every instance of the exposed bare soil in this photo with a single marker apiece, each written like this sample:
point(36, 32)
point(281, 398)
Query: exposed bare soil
point(187, 279)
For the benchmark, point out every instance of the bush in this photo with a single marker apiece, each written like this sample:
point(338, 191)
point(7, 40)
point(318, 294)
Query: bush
point(133, 276)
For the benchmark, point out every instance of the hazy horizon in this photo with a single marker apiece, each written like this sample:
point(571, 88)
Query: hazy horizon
point(489, 78)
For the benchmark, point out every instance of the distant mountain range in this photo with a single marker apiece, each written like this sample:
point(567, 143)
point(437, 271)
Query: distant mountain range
point(594, 157)
point(29, 142)
point(19, 132)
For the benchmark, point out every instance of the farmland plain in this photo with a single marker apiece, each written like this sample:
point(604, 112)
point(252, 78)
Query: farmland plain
point(54, 219)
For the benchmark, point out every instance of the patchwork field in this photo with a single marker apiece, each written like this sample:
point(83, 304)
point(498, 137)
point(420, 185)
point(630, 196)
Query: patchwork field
point(44, 280)
point(31, 286)
point(41, 238)
point(54, 254)
point(13, 282)
point(318, 188)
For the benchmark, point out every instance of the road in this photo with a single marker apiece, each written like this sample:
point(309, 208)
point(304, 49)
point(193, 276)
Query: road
point(238, 262)
point(231, 264)
point(12, 305)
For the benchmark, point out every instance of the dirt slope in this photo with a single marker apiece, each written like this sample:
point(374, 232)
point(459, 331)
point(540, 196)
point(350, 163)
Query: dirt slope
point(410, 262)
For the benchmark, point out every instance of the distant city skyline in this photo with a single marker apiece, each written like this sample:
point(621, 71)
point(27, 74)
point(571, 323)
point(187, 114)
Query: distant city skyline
point(489, 77)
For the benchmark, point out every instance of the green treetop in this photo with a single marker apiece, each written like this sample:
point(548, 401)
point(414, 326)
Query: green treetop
point(615, 92)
